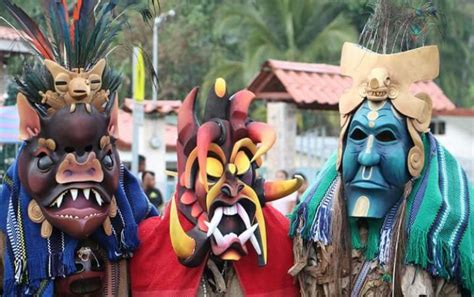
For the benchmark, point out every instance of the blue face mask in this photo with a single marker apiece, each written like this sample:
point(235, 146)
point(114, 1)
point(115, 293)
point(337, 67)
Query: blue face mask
point(374, 164)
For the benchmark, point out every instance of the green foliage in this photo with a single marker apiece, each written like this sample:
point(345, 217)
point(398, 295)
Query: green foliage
point(306, 30)
point(231, 39)
point(455, 38)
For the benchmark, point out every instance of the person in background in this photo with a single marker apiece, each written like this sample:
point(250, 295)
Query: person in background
point(153, 194)
point(141, 166)
point(302, 189)
point(286, 204)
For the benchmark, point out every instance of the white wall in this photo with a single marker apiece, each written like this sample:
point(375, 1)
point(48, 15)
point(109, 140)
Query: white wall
point(459, 140)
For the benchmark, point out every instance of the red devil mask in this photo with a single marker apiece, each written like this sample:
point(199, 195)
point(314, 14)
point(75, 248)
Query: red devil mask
point(219, 193)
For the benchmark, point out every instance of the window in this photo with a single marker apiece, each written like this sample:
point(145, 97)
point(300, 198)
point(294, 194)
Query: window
point(438, 127)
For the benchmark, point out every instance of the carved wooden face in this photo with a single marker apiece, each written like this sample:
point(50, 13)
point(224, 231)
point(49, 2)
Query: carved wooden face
point(69, 165)
point(219, 192)
point(374, 166)
point(77, 85)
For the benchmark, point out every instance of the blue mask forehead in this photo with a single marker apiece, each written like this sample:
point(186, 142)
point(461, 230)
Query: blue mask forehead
point(376, 116)
point(374, 165)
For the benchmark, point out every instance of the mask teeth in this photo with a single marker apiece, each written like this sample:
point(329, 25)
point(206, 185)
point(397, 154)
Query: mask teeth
point(248, 234)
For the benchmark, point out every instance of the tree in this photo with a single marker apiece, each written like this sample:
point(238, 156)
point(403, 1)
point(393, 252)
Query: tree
point(306, 31)
point(455, 38)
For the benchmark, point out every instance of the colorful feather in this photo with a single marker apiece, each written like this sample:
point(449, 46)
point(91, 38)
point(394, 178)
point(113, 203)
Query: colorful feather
point(77, 39)
point(31, 29)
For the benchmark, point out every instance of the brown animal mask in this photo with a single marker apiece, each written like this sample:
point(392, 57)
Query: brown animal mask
point(70, 167)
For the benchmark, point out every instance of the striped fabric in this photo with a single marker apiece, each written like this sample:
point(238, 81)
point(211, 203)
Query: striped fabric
point(439, 222)
point(9, 124)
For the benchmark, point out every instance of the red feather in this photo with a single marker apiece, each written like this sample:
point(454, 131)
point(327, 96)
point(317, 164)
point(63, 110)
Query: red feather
point(75, 18)
point(31, 29)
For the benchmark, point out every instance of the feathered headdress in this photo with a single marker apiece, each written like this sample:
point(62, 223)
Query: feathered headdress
point(75, 39)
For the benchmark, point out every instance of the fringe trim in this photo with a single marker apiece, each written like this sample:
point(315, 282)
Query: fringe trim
point(416, 252)
point(371, 247)
point(373, 239)
point(355, 237)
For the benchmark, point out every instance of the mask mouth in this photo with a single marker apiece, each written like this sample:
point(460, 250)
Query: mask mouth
point(79, 197)
point(369, 178)
point(380, 93)
point(231, 226)
point(79, 209)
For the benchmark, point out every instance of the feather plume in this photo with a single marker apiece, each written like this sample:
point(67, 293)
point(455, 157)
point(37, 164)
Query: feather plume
point(78, 36)
point(40, 43)
point(395, 26)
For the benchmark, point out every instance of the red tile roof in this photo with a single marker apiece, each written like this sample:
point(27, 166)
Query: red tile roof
point(125, 121)
point(320, 85)
point(459, 111)
point(124, 141)
point(161, 106)
point(8, 33)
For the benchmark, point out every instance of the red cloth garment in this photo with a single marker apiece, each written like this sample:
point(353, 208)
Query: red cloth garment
point(156, 271)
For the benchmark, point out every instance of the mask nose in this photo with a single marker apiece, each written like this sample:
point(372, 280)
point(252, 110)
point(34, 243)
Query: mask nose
point(80, 88)
point(72, 170)
point(374, 83)
point(232, 186)
point(369, 157)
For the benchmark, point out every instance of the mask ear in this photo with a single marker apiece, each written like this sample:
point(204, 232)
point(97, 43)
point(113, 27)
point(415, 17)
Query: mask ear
point(98, 68)
point(113, 126)
point(422, 123)
point(54, 68)
point(29, 118)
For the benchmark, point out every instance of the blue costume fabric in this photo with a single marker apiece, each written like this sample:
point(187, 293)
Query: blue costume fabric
point(31, 262)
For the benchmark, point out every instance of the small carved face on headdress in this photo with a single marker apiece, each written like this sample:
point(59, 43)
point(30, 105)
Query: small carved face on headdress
point(374, 164)
point(70, 167)
point(75, 86)
point(219, 192)
point(378, 86)
point(89, 276)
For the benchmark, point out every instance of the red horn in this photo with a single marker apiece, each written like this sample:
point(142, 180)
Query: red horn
point(238, 113)
point(187, 129)
point(187, 122)
point(207, 133)
point(261, 133)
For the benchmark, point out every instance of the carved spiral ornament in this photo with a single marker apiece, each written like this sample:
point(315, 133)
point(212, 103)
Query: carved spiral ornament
point(34, 212)
point(415, 161)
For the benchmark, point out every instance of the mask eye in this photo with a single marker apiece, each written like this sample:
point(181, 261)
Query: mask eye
point(386, 136)
point(95, 82)
point(242, 162)
point(358, 134)
point(108, 161)
point(61, 82)
point(44, 162)
point(214, 168)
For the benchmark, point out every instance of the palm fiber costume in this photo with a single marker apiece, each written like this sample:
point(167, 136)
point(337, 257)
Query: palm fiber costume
point(393, 209)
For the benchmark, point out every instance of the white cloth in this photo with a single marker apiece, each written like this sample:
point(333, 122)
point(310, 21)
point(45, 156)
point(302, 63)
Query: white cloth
point(285, 205)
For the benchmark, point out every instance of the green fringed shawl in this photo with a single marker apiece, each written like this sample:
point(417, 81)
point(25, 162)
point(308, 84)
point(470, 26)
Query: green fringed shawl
point(439, 218)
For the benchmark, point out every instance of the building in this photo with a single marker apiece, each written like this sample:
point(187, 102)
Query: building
point(10, 44)
point(289, 86)
point(455, 130)
point(157, 135)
